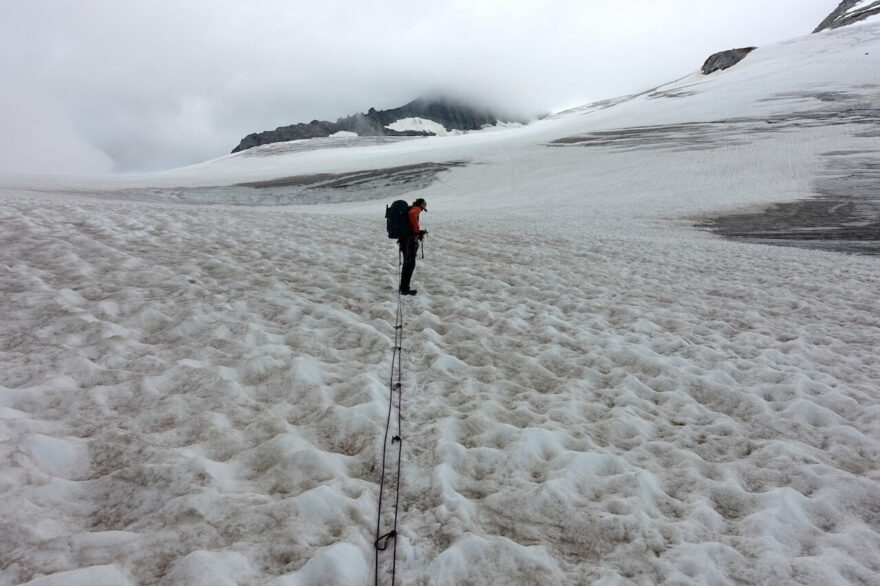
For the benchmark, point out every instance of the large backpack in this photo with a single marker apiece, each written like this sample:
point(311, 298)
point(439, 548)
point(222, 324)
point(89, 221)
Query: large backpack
point(397, 219)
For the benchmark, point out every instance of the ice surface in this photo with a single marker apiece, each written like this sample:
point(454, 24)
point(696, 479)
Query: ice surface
point(595, 392)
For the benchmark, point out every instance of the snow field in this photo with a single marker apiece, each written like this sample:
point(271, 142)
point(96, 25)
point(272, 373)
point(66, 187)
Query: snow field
point(586, 424)
point(594, 390)
point(628, 404)
point(169, 350)
point(419, 125)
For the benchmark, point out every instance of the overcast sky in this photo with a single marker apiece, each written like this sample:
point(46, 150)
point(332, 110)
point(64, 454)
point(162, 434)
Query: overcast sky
point(98, 86)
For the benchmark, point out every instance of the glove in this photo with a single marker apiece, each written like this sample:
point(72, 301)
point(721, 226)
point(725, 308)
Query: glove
point(422, 234)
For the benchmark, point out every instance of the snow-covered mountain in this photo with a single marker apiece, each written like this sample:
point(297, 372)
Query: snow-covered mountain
point(421, 117)
point(195, 383)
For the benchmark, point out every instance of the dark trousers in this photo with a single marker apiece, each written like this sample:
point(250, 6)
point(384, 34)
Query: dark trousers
point(409, 247)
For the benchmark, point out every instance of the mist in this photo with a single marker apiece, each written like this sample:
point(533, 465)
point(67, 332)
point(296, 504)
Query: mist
point(102, 87)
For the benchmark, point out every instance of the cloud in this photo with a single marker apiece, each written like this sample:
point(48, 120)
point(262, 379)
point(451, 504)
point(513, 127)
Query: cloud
point(105, 85)
point(38, 137)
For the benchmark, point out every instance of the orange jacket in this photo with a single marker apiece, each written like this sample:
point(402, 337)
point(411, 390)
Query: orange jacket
point(414, 212)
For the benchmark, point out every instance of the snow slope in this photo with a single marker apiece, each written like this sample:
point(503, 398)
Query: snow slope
point(418, 124)
point(595, 392)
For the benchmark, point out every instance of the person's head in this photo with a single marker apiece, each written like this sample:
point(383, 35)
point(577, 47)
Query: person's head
point(421, 203)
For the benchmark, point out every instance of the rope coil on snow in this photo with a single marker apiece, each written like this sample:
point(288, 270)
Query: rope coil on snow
point(394, 384)
point(384, 540)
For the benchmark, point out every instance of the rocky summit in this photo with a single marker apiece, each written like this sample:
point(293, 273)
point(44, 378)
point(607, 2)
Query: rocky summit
point(451, 114)
point(725, 59)
point(849, 12)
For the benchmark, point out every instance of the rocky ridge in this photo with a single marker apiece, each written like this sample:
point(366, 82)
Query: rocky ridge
point(849, 12)
point(451, 114)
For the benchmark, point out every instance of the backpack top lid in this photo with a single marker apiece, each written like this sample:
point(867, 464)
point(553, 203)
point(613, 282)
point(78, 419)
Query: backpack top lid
point(397, 219)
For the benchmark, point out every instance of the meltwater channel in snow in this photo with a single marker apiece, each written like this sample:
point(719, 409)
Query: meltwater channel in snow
point(595, 391)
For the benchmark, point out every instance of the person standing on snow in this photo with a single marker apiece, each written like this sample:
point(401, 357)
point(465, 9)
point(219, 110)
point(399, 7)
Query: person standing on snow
point(410, 245)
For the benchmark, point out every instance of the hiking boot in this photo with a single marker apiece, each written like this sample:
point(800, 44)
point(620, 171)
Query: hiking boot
point(408, 291)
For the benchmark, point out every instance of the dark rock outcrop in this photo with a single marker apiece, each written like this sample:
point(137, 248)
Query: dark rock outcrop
point(725, 59)
point(845, 14)
point(451, 114)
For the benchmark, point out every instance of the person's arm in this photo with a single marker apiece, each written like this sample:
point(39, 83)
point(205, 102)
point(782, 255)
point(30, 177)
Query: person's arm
point(414, 219)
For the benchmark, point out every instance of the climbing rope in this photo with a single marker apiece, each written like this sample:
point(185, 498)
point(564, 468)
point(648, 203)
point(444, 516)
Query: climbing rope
point(394, 387)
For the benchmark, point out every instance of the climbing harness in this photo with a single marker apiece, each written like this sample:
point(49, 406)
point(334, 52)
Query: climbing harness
point(395, 387)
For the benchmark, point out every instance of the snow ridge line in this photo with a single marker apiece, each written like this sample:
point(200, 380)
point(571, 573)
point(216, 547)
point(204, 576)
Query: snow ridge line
point(394, 384)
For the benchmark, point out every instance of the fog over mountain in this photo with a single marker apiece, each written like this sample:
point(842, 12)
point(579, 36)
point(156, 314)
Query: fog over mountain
point(459, 115)
point(448, 113)
point(113, 86)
